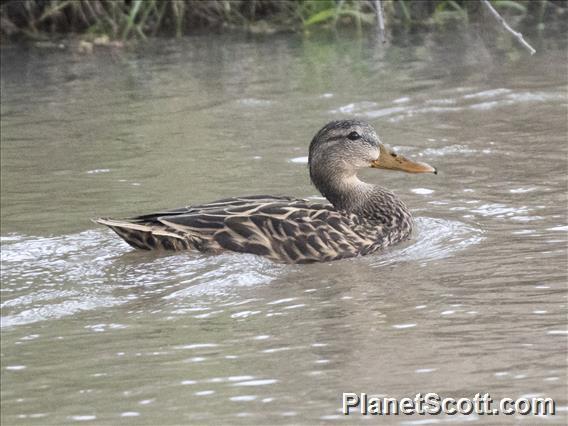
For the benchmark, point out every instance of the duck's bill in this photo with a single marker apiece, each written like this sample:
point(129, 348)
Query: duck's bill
point(388, 159)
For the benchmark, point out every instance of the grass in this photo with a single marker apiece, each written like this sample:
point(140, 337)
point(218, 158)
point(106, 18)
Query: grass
point(138, 19)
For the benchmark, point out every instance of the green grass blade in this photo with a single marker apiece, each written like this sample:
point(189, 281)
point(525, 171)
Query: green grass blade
point(509, 4)
point(320, 17)
point(130, 22)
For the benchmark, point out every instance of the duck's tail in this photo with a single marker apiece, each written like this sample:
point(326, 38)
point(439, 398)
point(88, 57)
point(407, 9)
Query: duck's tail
point(146, 236)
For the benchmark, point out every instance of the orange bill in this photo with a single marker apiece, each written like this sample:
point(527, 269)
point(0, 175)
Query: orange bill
point(388, 159)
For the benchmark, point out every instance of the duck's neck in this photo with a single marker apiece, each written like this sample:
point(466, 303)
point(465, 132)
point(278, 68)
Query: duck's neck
point(348, 193)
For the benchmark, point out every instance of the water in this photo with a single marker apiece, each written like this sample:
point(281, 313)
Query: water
point(94, 332)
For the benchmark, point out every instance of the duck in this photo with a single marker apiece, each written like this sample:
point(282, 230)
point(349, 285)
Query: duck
point(359, 218)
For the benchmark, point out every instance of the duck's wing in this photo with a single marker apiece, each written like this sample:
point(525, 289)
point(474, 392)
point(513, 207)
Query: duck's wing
point(226, 205)
point(158, 230)
point(286, 230)
point(280, 228)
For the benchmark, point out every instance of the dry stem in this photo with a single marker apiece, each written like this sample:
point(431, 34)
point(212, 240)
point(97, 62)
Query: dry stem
point(381, 20)
point(517, 35)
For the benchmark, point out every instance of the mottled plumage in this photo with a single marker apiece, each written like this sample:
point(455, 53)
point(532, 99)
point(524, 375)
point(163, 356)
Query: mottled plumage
point(362, 218)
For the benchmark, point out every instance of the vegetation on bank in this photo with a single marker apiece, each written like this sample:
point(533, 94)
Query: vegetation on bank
point(131, 19)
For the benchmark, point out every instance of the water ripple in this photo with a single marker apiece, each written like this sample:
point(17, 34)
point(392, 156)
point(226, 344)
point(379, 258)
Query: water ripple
point(483, 100)
point(433, 239)
point(190, 283)
point(101, 264)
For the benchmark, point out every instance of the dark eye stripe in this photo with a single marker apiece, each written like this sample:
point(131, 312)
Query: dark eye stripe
point(335, 138)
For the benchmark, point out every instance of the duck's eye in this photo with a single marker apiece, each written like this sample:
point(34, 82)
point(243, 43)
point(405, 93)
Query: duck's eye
point(353, 136)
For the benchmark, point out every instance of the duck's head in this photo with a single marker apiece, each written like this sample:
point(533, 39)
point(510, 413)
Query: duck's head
point(349, 145)
point(343, 147)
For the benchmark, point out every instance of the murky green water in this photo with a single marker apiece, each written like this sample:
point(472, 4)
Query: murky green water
point(95, 332)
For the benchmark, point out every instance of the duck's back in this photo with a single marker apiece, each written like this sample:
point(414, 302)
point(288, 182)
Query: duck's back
point(280, 228)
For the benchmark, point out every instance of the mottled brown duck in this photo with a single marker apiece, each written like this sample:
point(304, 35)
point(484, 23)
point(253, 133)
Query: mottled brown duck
point(359, 219)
